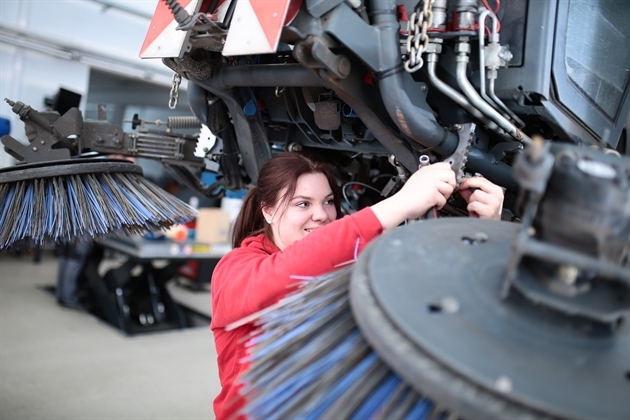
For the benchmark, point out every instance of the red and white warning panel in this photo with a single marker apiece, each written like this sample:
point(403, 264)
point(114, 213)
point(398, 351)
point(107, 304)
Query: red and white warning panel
point(163, 39)
point(255, 27)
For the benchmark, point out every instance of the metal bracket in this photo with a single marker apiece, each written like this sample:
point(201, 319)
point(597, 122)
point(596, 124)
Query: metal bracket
point(48, 134)
point(315, 54)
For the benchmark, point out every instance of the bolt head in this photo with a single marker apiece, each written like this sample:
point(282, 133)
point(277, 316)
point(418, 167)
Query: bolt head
point(344, 66)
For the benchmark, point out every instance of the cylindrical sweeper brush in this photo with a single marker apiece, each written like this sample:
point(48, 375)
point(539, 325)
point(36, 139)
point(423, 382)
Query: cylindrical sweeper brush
point(55, 194)
point(466, 318)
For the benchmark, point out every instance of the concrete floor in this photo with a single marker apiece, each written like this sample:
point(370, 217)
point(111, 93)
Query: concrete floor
point(58, 363)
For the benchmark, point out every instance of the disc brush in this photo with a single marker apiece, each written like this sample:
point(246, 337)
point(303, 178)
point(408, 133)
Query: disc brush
point(63, 200)
point(59, 190)
point(417, 329)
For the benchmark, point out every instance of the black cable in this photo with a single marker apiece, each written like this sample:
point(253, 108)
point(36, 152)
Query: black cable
point(229, 13)
point(398, 68)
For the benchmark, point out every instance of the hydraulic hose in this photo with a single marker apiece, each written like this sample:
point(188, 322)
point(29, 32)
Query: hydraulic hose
point(464, 84)
point(494, 170)
point(416, 123)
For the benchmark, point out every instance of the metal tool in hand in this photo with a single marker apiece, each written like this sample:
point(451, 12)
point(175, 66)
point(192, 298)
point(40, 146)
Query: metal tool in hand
point(426, 161)
point(457, 160)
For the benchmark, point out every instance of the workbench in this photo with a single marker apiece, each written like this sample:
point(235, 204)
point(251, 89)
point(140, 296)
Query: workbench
point(137, 300)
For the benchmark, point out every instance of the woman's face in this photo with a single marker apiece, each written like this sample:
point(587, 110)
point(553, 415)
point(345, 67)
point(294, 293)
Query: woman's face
point(311, 207)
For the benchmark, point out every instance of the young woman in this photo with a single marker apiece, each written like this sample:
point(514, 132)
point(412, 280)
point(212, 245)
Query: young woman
point(288, 228)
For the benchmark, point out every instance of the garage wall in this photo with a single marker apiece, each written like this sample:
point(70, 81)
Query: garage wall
point(50, 44)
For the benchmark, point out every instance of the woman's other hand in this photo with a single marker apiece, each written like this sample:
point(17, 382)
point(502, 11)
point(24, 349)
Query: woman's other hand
point(430, 186)
point(485, 199)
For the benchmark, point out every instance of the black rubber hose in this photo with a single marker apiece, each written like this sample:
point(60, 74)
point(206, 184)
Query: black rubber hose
point(416, 123)
point(181, 15)
point(496, 171)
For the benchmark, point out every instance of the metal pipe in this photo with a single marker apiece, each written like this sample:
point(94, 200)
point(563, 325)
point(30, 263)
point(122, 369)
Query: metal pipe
point(458, 98)
point(482, 60)
point(498, 101)
point(418, 124)
point(491, 97)
point(463, 48)
point(121, 6)
point(49, 45)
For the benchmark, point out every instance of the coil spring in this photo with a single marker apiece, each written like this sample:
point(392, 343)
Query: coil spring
point(183, 123)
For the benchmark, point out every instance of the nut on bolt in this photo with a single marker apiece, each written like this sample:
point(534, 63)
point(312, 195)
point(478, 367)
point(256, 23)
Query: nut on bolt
point(294, 147)
point(505, 54)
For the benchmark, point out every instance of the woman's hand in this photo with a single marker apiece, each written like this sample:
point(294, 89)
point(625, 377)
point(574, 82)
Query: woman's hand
point(485, 199)
point(430, 186)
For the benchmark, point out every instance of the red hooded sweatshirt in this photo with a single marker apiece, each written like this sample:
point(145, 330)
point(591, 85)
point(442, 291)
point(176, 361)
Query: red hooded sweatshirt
point(257, 275)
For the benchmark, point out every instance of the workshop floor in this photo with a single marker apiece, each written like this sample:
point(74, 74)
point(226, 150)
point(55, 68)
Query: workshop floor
point(58, 363)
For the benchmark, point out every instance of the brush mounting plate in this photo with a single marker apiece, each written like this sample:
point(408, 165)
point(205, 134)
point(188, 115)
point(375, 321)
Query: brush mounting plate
point(428, 299)
point(66, 168)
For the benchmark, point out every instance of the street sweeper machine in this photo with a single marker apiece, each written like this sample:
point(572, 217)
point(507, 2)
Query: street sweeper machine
point(522, 318)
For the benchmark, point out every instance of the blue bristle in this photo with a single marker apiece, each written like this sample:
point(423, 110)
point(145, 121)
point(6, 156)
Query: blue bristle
point(310, 361)
point(303, 353)
point(24, 223)
point(74, 211)
point(63, 208)
point(100, 225)
point(306, 308)
point(420, 410)
point(114, 205)
point(287, 337)
point(333, 394)
point(48, 208)
point(8, 203)
point(62, 229)
point(144, 214)
point(276, 397)
point(375, 401)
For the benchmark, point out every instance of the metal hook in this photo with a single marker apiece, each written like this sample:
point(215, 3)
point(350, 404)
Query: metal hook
point(279, 91)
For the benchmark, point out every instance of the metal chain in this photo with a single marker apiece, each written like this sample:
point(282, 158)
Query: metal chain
point(172, 102)
point(417, 38)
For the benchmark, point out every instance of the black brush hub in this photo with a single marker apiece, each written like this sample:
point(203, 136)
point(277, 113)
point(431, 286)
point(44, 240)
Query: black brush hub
point(67, 167)
point(428, 299)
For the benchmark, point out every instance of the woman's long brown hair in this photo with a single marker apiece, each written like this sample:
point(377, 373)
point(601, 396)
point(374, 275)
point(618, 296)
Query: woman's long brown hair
point(277, 174)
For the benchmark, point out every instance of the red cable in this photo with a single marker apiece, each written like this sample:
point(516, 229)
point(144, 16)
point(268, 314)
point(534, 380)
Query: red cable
point(497, 8)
